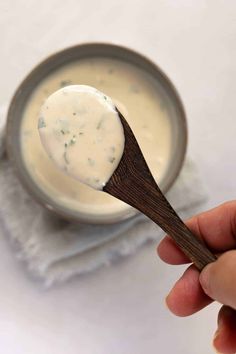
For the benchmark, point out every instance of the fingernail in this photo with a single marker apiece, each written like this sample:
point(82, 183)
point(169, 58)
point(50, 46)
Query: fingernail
point(214, 347)
point(204, 278)
point(216, 335)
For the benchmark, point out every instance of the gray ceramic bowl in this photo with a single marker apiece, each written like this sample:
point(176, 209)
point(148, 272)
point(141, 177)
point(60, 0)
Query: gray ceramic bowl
point(22, 95)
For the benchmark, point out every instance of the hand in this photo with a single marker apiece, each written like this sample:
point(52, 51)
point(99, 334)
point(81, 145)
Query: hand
point(194, 291)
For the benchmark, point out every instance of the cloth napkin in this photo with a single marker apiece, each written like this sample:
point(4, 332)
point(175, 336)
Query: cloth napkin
point(54, 250)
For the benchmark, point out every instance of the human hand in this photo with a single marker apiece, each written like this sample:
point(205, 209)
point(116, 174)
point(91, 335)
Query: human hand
point(193, 291)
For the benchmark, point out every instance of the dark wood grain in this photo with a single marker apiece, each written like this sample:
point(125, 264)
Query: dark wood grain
point(133, 183)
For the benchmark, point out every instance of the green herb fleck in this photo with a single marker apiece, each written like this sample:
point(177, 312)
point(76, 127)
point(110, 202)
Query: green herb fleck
point(64, 83)
point(74, 113)
point(73, 140)
point(100, 124)
point(81, 133)
point(41, 123)
point(65, 157)
point(64, 131)
point(91, 161)
point(111, 159)
point(110, 71)
point(105, 97)
point(112, 148)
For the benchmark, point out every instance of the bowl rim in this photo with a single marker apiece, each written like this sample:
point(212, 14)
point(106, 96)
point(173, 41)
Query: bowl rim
point(50, 204)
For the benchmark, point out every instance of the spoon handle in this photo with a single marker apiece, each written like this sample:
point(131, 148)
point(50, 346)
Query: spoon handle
point(156, 207)
point(133, 183)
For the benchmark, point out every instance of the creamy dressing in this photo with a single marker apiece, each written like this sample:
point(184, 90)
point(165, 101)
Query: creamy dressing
point(82, 133)
point(140, 100)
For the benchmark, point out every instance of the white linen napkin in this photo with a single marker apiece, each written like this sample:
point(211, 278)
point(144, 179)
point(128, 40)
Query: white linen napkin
point(55, 250)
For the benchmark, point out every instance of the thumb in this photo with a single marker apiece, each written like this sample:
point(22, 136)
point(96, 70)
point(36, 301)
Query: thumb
point(218, 279)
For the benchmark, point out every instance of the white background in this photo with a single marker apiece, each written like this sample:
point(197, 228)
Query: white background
point(120, 309)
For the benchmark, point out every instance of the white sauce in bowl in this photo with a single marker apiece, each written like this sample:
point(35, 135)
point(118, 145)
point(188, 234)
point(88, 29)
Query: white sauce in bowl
point(82, 133)
point(139, 98)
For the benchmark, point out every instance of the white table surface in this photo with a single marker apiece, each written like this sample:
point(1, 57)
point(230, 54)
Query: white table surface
point(120, 309)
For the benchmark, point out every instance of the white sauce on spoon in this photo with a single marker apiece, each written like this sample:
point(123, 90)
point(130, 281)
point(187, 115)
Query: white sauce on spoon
point(82, 133)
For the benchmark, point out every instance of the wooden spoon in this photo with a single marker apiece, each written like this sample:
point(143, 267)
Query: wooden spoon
point(133, 183)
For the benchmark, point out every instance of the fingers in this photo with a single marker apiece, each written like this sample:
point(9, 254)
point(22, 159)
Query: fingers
point(218, 279)
point(216, 227)
point(170, 253)
point(187, 296)
point(225, 337)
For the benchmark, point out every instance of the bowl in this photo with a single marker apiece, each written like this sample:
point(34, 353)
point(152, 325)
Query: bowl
point(87, 51)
